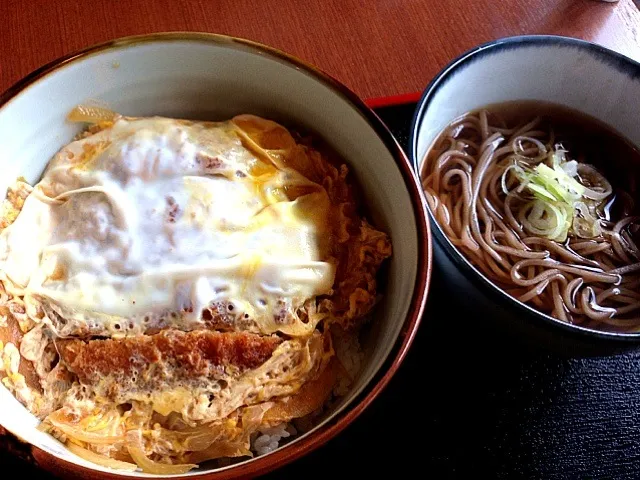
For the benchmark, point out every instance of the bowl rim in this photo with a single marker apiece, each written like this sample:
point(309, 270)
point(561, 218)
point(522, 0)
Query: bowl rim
point(380, 380)
point(616, 60)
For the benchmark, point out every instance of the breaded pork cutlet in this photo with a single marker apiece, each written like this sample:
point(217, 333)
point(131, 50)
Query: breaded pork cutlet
point(191, 355)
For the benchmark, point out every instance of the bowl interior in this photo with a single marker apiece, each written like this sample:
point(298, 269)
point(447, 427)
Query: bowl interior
point(568, 72)
point(214, 78)
point(563, 71)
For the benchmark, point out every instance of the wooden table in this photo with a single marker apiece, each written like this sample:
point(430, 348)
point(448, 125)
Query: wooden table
point(378, 48)
point(493, 409)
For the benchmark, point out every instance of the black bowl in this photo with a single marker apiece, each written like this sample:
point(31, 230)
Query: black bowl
point(566, 71)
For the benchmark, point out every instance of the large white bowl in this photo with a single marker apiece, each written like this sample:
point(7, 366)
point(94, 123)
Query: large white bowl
point(203, 76)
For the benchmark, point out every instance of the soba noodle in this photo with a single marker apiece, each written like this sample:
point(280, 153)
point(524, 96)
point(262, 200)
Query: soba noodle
point(588, 275)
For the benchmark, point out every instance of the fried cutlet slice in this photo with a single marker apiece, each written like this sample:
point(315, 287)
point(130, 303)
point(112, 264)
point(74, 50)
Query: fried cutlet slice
point(149, 362)
point(204, 375)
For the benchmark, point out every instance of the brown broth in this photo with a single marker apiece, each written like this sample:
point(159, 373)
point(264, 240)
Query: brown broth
point(488, 239)
point(587, 139)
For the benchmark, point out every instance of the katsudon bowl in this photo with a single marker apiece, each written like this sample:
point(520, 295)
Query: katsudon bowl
point(211, 77)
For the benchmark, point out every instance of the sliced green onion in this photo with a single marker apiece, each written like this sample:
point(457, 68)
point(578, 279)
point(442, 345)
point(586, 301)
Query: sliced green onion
point(558, 199)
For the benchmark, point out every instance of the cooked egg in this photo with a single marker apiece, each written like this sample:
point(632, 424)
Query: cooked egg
point(155, 215)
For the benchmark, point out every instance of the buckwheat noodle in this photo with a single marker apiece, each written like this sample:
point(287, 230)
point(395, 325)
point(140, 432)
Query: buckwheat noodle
point(591, 282)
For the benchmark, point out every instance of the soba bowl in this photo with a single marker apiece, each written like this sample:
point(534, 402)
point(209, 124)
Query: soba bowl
point(202, 76)
point(564, 71)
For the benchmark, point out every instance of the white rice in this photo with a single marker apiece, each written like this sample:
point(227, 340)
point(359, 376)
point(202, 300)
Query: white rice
point(268, 439)
point(351, 356)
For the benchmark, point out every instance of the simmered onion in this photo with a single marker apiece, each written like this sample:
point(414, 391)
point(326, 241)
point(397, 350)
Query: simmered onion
point(91, 114)
point(101, 459)
point(83, 435)
point(134, 446)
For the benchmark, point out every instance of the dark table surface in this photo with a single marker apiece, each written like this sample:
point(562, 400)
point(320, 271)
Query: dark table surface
point(470, 401)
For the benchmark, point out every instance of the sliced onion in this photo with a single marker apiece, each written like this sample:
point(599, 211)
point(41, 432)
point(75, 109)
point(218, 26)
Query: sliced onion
point(149, 466)
point(220, 450)
point(91, 114)
point(82, 435)
point(101, 459)
point(203, 437)
point(202, 441)
point(558, 156)
point(543, 219)
point(594, 195)
point(570, 168)
point(311, 396)
point(604, 187)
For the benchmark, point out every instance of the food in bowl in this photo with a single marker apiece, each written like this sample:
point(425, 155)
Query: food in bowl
point(182, 291)
point(541, 199)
